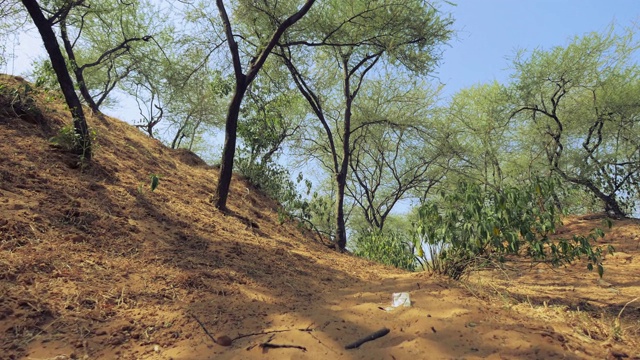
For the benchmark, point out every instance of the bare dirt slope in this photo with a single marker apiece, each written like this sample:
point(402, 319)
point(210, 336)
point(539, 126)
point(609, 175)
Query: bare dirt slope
point(94, 265)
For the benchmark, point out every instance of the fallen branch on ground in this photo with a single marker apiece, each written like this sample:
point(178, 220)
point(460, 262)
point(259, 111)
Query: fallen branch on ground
point(240, 336)
point(204, 328)
point(378, 334)
point(221, 340)
point(269, 345)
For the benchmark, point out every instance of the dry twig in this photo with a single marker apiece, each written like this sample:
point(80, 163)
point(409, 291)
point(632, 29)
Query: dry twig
point(378, 334)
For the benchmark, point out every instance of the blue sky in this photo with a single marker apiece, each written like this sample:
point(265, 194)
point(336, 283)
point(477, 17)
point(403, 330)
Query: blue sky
point(490, 31)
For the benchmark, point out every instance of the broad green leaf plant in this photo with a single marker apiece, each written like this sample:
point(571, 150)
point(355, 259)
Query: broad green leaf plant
point(475, 227)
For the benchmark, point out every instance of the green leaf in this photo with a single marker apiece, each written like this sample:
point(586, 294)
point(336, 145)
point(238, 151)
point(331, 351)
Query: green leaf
point(600, 270)
point(599, 232)
point(155, 180)
point(608, 222)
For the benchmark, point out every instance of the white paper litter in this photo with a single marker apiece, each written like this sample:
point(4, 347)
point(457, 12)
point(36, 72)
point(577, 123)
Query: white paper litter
point(399, 299)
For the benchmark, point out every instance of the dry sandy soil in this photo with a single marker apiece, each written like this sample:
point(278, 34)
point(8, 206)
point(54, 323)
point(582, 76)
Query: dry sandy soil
point(93, 265)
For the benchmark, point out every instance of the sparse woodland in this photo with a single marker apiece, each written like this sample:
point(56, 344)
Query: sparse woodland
point(336, 132)
point(330, 109)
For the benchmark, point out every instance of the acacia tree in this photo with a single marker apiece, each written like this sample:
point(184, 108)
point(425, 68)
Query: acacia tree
point(489, 148)
point(399, 157)
point(242, 82)
point(484, 146)
point(273, 115)
point(582, 100)
point(13, 18)
point(347, 41)
point(176, 83)
point(98, 39)
point(203, 100)
point(152, 111)
point(104, 43)
point(185, 95)
point(45, 28)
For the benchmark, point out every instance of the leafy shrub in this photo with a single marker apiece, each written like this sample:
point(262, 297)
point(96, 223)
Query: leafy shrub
point(19, 101)
point(475, 227)
point(271, 178)
point(44, 75)
point(68, 139)
point(314, 212)
point(389, 248)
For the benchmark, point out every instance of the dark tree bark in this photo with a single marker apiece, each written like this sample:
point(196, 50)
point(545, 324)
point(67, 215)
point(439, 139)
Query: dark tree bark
point(341, 176)
point(45, 27)
point(242, 83)
point(611, 205)
point(555, 148)
point(74, 65)
point(180, 134)
point(151, 123)
point(340, 165)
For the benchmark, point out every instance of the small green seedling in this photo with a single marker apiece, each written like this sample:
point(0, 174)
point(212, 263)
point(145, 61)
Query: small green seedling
point(155, 181)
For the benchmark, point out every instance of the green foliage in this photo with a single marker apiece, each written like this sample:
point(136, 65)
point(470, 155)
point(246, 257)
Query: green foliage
point(44, 75)
point(108, 42)
point(568, 110)
point(318, 211)
point(269, 122)
point(153, 185)
point(389, 248)
point(271, 178)
point(483, 142)
point(19, 101)
point(271, 116)
point(409, 32)
point(475, 227)
point(576, 105)
point(351, 45)
point(68, 139)
point(155, 181)
point(312, 211)
point(397, 147)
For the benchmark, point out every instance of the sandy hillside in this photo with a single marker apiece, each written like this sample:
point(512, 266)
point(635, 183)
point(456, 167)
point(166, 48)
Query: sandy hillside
point(93, 265)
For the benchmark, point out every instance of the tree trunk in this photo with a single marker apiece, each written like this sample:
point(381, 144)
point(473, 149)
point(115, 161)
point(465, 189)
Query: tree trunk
point(83, 145)
point(341, 228)
point(611, 205)
point(193, 133)
point(557, 203)
point(242, 83)
point(341, 176)
point(229, 149)
point(82, 86)
point(180, 134)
